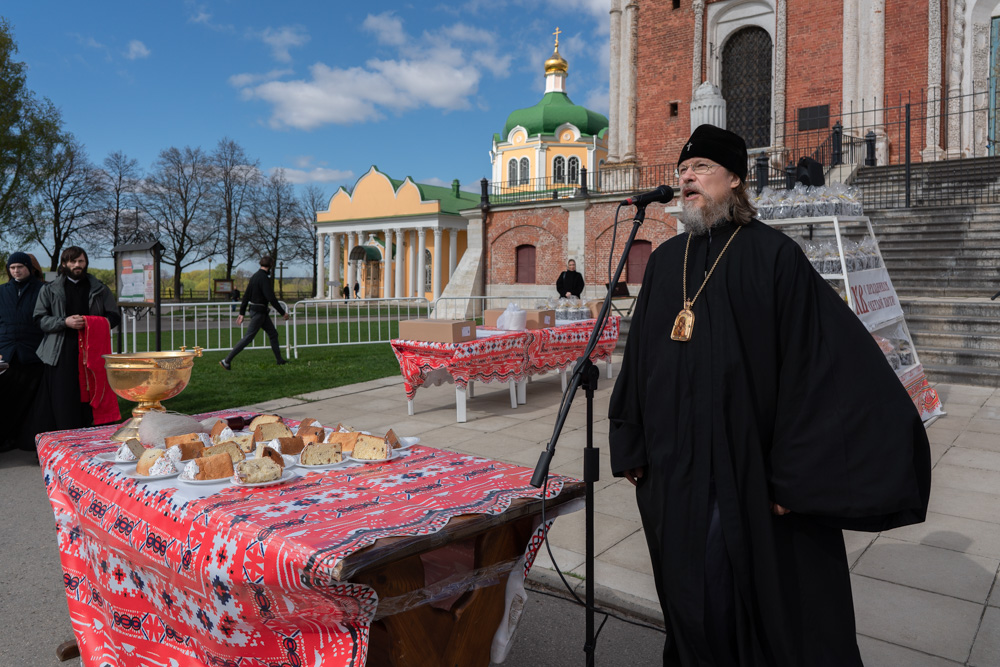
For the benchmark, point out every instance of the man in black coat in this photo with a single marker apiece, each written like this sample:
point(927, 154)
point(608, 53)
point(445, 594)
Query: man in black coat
point(19, 338)
point(259, 293)
point(757, 418)
point(570, 281)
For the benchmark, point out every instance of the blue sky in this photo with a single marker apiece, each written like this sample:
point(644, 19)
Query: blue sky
point(323, 89)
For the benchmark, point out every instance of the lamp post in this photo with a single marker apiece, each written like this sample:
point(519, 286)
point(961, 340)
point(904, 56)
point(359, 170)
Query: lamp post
point(281, 277)
point(209, 278)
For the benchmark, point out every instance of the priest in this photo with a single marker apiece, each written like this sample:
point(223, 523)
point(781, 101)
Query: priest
point(757, 418)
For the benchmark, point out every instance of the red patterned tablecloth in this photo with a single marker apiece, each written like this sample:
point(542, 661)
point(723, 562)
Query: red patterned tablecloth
point(501, 357)
point(244, 576)
point(555, 348)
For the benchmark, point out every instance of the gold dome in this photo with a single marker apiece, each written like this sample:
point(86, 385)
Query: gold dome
point(556, 63)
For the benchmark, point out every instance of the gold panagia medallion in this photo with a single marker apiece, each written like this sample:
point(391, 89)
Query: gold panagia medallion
point(684, 324)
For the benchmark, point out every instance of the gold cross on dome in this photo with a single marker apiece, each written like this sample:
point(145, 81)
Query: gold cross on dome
point(556, 33)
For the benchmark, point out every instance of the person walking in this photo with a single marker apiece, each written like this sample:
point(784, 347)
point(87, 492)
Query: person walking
point(19, 338)
point(62, 313)
point(750, 442)
point(357, 290)
point(259, 293)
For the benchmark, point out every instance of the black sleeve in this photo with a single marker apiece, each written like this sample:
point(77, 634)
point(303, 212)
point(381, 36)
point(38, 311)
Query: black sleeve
point(560, 283)
point(268, 289)
point(246, 296)
point(849, 444)
point(627, 435)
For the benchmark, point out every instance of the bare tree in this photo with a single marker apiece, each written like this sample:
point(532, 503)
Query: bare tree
point(67, 195)
point(118, 216)
point(234, 176)
point(303, 233)
point(177, 200)
point(272, 219)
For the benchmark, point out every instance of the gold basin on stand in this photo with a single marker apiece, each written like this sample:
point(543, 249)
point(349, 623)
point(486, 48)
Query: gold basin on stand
point(148, 378)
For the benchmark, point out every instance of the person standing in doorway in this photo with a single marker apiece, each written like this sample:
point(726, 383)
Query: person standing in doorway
point(259, 293)
point(570, 281)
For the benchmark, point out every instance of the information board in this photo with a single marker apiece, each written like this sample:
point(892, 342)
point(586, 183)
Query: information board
point(136, 276)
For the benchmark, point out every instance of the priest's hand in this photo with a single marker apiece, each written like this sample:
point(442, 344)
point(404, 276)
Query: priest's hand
point(778, 510)
point(635, 475)
point(239, 320)
point(75, 322)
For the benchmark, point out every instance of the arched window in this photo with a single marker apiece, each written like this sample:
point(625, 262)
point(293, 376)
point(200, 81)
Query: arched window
point(559, 169)
point(746, 85)
point(573, 174)
point(638, 257)
point(512, 172)
point(525, 263)
point(525, 171)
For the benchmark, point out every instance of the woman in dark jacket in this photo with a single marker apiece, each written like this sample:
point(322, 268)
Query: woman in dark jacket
point(19, 338)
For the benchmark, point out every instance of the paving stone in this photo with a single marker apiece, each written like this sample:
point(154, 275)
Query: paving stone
point(981, 425)
point(856, 542)
point(489, 424)
point(276, 404)
point(928, 568)
point(618, 500)
point(979, 538)
point(927, 622)
point(963, 477)
point(988, 412)
point(631, 553)
point(877, 653)
point(569, 532)
point(973, 458)
point(566, 559)
point(965, 503)
point(986, 650)
point(938, 451)
point(622, 579)
point(941, 436)
point(960, 410)
point(978, 440)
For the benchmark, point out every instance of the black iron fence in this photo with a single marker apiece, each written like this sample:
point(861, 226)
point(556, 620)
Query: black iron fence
point(926, 150)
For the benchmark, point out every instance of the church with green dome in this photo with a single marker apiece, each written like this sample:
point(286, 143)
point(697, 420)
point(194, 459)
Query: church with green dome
point(547, 144)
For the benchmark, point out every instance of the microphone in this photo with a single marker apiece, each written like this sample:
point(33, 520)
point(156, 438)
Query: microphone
point(662, 194)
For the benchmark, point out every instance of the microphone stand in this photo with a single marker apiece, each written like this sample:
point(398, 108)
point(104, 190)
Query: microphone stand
point(585, 374)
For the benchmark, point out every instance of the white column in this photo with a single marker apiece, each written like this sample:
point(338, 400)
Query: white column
point(780, 55)
point(320, 272)
point(350, 264)
point(698, 7)
point(452, 252)
point(436, 259)
point(421, 261)
point(335, 281)
point(400, 240)
point(411, 261)
point(849, 66)
point(387, 265)
point(615, 76)
point(630, 25)
point(956, 71)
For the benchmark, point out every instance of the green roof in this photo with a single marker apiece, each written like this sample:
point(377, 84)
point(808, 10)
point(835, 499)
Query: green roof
point(553, 110)
point(452, 200)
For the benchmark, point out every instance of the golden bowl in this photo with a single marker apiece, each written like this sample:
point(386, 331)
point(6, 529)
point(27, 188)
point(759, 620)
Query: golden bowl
point(148, 378)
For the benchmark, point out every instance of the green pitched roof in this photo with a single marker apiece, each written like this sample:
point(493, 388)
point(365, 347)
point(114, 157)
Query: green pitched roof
point(553, 110)
point(452, 200)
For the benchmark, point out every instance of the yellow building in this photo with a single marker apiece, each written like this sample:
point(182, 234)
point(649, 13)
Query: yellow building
point(420, 223)
point(546, 145)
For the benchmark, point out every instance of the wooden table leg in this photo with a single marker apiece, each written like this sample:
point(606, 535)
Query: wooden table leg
point(67, 651)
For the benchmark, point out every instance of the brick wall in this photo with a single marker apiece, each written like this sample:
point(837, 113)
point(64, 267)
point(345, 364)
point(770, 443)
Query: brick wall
point(545, 227)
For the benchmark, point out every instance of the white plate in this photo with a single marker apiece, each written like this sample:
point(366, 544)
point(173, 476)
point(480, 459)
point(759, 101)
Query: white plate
point(221, 480)
point(324, 466)
point(285, 476)
point(109, 457)
point(392, 455)
point(408, 441)
point(149, 478)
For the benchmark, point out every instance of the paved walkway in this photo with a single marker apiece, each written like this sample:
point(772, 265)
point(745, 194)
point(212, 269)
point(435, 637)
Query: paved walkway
point(924, 595)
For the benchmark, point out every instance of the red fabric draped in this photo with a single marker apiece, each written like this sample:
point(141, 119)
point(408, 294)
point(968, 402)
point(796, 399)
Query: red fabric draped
point(95, 340)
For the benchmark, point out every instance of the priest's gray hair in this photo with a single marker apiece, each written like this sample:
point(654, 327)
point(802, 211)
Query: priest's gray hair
point(741, 209)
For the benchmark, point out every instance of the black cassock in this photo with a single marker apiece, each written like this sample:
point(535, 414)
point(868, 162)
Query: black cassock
point(780, 395)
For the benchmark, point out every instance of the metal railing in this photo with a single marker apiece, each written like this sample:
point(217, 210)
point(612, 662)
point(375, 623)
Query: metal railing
point(326, 322)
point(208, 325)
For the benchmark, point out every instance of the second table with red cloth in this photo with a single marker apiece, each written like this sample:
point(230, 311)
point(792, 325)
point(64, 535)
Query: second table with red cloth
point(246, 576)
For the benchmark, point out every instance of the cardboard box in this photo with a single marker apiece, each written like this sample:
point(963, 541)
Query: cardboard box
point(595, 308)
point(438, 331)
point(537, 319)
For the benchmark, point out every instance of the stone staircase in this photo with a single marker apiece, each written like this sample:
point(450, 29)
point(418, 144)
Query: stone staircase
point(945, 264)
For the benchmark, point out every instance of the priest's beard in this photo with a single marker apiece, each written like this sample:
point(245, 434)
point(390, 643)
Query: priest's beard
point(699, 220)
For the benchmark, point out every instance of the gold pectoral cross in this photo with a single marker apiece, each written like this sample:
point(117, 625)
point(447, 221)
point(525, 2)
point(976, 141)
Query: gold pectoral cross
point(684, 324)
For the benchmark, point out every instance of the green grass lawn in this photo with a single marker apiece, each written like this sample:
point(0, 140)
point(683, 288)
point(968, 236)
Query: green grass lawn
point(256, 378)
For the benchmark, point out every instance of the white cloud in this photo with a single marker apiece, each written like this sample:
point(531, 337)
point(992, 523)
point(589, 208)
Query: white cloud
point(316, 175)
point(248, 79)
point(387, 28)
point(136, 49)
point(282, 39)
point(441, 70)
point(599, 9)
point(202, 17)
point(598, 100)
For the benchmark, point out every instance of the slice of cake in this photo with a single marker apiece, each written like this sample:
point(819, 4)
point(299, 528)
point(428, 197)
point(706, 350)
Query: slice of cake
point(345, 440)
point(255, 471)
point(263, 419)
point(130, 450)
point(243, 440)
point(311, 434)
point(218, 427)
point(309, 422)
point(321, 453)
point(393, 439)
point(344, 428)
point(219, 466)
point(231, 448)
point(154, 462)
point(189, 449)
point(265, 452)
point(293, 445)
point(172, 440)
point(270, 431)
point(371, 448)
